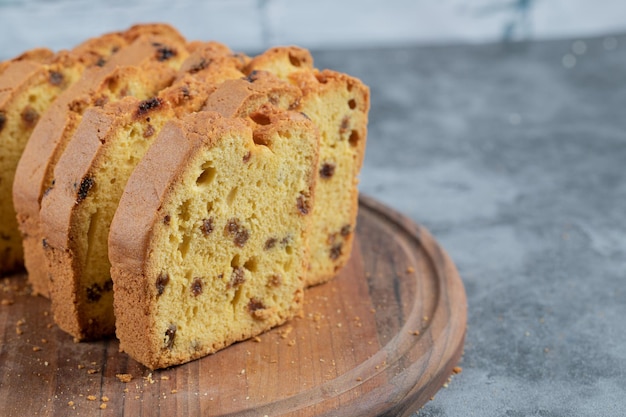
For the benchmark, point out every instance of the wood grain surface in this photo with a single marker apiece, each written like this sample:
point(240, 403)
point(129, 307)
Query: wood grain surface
point(378, 340)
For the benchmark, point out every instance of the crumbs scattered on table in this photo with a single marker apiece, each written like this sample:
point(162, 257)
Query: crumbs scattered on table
point(148, 378)
point(124, 377)
point(18, 326)
point(284, 331)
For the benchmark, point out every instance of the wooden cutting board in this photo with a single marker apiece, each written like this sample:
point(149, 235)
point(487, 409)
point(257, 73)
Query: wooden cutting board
point(378, 340)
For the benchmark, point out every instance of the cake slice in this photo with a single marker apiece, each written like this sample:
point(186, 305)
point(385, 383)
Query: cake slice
point(28, 85)
point(141, 69)
point(338, 105)
point(208, 244)
point(89, 180)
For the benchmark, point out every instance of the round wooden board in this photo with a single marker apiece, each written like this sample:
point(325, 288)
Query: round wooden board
point(378, 340)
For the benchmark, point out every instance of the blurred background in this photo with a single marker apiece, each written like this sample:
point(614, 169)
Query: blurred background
point(253, 25)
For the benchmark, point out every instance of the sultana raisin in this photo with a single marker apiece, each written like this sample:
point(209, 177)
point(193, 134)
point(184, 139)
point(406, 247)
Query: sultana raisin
point(161, 282)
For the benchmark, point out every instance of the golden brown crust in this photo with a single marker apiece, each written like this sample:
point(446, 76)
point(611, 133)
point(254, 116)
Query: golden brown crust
point(282, 61)
point(40, 55)
point(212, 63)
point(240, 97)
point(159, 29)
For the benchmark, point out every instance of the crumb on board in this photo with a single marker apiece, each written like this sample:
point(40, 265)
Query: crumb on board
point(91, 398)
point(103, 406)
point(148, 378)
point(457, 370)
point(124, 377)
point(410, 270)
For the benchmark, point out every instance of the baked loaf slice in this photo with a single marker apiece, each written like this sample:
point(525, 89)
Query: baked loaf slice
point(338, 105)
point(208, 244)
point(141, 69)
point(89, 181)
point(28, 85)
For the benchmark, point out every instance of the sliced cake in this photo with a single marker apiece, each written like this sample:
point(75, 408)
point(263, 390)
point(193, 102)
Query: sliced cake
point(28, 85)
point(141, 69)
point(338, 105)
point(89, 180)
point(208, 244)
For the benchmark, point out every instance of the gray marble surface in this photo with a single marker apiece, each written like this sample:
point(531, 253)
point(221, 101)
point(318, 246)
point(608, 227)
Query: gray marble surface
point(514, 156)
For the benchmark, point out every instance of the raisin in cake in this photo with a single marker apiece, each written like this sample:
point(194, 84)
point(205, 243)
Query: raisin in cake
point(28, 85)
point(89, 181)
point(208, 244)
point(140, 69)
point(338, 105)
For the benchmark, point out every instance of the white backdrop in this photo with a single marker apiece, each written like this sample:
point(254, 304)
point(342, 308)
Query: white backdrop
point(252, 25)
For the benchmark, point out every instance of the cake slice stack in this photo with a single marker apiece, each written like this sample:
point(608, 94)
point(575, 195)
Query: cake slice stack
point(28, 85)
point(140, 68)
point(177, 194)
point(90, 177)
